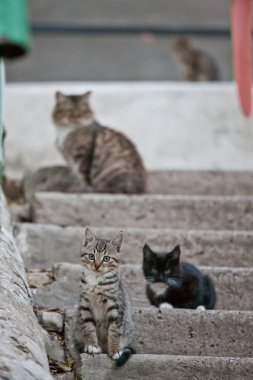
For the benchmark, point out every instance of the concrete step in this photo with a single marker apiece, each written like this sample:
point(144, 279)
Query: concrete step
point(184, 332)
point(150, 211)
point(174, 182)
point(164, 367)
point(234, 286)
point(193, 182)
point(42, 245)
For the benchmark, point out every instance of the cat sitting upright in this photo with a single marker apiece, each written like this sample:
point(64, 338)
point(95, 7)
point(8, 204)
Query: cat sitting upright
point(171, 283)
point(104, 309)
point(106, 160)
point(199, 65)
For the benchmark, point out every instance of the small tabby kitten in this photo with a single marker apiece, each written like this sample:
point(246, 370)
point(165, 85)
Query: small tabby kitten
point(171, 283)
point(104, 310)
point(107, 160)
point(199, 65)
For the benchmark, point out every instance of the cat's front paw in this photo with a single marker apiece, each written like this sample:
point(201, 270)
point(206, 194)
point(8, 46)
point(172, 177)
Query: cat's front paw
point(164, 307)
point(92, 349)
point(116, 355)
point(201, 307)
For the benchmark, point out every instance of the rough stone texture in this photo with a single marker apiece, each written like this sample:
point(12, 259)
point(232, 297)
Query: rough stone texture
point(164, 367)
point(152, 211)
point(51, 321)
point(185, 332)
point(192, 182)
point(55, 178)
point(234, 286)
point(69, 376)
point(63, 179)
point(55, 350)
point(22, 351)
point(43, 245)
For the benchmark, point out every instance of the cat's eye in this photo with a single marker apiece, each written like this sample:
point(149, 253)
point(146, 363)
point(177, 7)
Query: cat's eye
point(106, 259)
point(91, 256)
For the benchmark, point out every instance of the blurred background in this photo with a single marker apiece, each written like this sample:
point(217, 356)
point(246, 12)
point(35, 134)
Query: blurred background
point(124, 52)
point(107, 40)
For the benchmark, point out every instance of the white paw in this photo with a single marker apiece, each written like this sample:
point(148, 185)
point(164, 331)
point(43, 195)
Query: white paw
point(201, 307)
point(164, 307)
point(92, 350)
point(116, 355)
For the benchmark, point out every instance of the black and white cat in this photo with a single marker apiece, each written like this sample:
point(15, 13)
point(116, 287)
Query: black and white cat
point(171, 283)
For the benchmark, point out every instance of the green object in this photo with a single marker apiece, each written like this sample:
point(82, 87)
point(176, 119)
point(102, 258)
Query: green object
point(14, 28)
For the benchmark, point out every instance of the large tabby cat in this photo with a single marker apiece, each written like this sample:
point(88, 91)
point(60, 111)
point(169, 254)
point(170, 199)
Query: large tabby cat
point(104, 310)
point(107, 160)
point(199, 65)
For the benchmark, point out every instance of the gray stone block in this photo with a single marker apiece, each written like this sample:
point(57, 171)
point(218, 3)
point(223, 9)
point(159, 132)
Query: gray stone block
point(148, 211)
point(173, 182)
point(43, 245)
point(51, 321)
point(185, 332)
point(22, 350)
point(192, 182)
point(164, 367)
point(52, 178)
point(234, 286)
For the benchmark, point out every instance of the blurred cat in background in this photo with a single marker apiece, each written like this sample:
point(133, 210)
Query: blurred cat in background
point(199, 65)
point(106, 159)
point(171, 283)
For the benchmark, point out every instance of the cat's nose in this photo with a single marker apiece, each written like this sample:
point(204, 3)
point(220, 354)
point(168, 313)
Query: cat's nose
point(97, 264)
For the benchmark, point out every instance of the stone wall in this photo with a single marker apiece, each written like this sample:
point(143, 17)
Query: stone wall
point(22, 351)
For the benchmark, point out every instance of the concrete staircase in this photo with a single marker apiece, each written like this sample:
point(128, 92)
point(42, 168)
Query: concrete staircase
point(211, 216)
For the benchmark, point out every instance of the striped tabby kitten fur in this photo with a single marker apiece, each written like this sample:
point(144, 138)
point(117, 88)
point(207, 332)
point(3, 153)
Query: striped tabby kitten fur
point(106, 159)
point(104, 310)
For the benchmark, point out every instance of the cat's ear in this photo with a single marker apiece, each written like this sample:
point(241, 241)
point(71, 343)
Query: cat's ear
point(147, 252)
point(117, 241)
point(89, 236)
point(60, 97)
point(86, 95)
point(175, 253)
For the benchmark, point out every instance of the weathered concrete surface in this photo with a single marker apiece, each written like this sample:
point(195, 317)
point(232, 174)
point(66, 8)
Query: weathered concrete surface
point(164, 367)
point(55, 178)
point(50, 320)
point(234, 286)
point(42, 245)
point(177, 182)
point(192, 182)
point(185, 332)
point(22, 351)
point(150, 211)
point(210, 134)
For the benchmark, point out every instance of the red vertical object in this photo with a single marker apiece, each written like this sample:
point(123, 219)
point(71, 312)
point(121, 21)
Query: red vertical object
point(241, 35)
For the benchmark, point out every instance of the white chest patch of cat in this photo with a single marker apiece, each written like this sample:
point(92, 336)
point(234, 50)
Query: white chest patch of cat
point(62, 133)
point(92, 279)
point(158, 287)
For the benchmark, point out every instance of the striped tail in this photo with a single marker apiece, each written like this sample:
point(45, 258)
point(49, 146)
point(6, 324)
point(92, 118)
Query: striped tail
point(126, 354)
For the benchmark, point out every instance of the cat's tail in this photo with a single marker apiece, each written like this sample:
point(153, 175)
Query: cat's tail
point(210, 298)
point(126, 354)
